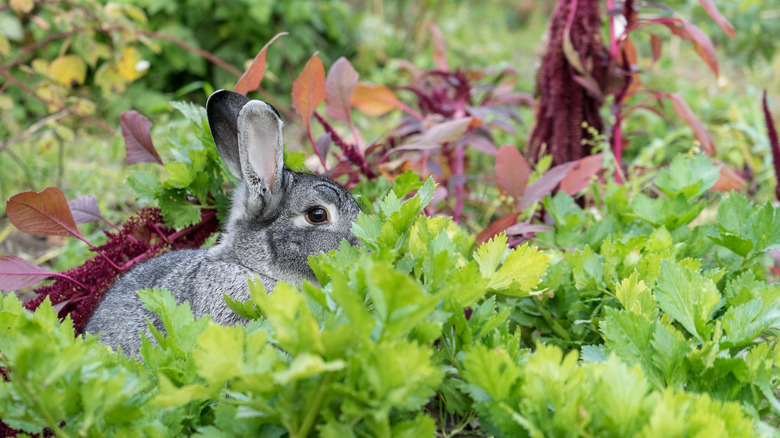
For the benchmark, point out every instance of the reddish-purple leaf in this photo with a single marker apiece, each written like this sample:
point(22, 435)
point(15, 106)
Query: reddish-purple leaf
point(16, 273)
point(580, 175)
point(656, 45)
point(589, 84)
point(250, 80)
point(526, 228)
point(545, 184)
point(721, 21)
point(480, 143)
point(684, 111)
point(496, 227)
point(85, 209)
point(45, 213)
point(309, 89)
point(447, 131)
point(323, 144)
point(339, 87)
point(702, 44)
point(439, 48)
point(138, 141)
point(512, 171)
point(774, 142)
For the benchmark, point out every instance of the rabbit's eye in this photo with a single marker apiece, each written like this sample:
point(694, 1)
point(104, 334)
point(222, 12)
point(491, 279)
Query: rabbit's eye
point(317, 215)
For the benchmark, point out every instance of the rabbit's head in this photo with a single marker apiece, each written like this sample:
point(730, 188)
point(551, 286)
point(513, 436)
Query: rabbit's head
point(279, 217)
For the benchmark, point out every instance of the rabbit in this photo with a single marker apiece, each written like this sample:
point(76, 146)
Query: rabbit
point(278, 219)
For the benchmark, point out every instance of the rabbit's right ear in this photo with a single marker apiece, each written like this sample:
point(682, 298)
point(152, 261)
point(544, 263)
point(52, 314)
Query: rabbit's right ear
point(222, 110)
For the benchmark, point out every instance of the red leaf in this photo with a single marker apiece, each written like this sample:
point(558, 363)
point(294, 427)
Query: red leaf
point(16, 273)
point(447, 131)
point(702, 45)
point(323, 144)
point(85, 209)
point(250, 80)
point(374, 100)
point(496, 227)
point(439, 48)
point(512, 171)
point(45, 213)
point(580, 175)
point(722, 22)
point(526, 228)
point(339, 86)
point(728, 179)
point(656, 44)
point(545, 185)
point(309, 89)
point(138, 141)
point(684, 111)
point(774, 142)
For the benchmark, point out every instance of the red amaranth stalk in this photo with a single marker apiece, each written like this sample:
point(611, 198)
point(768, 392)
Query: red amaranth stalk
point(774, 143)
point(96, 275)
point(353, 155)
point(563, 103)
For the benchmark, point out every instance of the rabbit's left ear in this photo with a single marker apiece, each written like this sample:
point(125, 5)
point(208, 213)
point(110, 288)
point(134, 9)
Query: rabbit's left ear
point(222, 109)
point(260, 146)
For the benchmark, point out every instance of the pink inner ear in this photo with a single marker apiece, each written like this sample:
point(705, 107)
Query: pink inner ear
point(260, 141)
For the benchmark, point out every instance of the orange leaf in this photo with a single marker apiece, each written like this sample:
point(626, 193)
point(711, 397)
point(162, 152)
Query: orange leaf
point(309, 89)
point(728, 179)
point(684, 111)
point(374, 100)
point(579, 176)
point(656, 44)
point(340, 85)
point(721, 21)
point(512, 171)
point(46, 213)
point(250, 80)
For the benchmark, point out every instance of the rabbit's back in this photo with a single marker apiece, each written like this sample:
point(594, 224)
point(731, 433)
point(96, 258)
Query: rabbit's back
point(190, 275)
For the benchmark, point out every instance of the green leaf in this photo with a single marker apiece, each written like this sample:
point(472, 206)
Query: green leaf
point(635, 297)
point(304, 366)
point(689, 177)
point(742, 324)
point(405, 183)
point(685, 295)
point(520, 272)
point(492, 371)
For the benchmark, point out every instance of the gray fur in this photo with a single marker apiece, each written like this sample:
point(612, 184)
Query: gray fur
point(267, 235)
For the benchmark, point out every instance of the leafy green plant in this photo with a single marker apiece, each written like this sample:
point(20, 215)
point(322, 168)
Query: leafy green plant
point(419, 333)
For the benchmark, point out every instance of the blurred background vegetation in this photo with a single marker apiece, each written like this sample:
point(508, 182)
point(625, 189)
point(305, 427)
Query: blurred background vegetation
point(61, 129)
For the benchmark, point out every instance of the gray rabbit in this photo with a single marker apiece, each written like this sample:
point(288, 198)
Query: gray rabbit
point(278, 219)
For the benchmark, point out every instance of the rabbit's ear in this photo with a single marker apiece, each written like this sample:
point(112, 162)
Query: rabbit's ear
point(260, 145)
point(222, 109)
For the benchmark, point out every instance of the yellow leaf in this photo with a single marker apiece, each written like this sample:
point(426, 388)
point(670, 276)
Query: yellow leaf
point(6, 103)
point(131, 65)
point(109, 80)
point(5, 46)
point(24, 6)
point(40, 66)
point(135, 13)
point(82, 106)
point(68, 70)
point(53, 94)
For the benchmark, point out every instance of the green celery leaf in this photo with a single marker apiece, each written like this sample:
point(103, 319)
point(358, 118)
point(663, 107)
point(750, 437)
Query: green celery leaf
point(691, 177)
point(685, 295)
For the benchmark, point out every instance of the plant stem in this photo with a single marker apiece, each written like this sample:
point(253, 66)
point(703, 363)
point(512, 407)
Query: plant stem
point(314, 409)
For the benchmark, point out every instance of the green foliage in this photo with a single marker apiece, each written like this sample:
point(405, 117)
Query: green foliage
point(669, 345)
